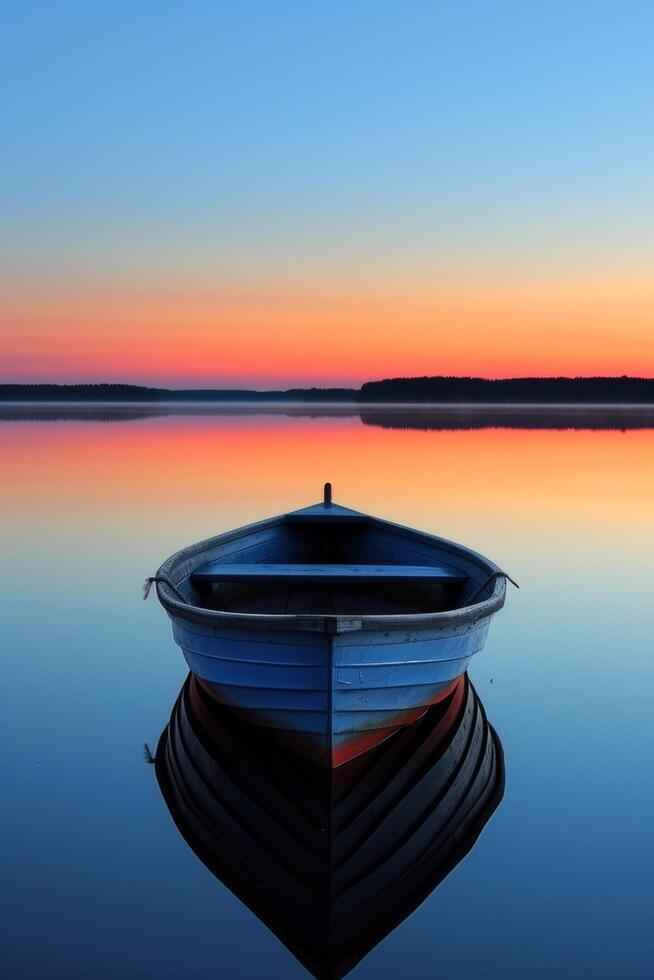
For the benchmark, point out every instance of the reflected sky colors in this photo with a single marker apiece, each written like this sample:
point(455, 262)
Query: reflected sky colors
point(558, 882)
point(236, 194)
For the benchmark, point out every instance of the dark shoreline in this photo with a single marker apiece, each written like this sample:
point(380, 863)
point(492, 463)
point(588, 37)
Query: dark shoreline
point(427, 391)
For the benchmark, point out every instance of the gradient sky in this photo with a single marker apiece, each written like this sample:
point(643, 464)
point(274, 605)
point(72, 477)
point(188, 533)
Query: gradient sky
point(274, 193)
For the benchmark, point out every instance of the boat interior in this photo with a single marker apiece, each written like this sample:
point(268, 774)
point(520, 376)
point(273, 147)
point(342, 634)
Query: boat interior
point(348, 568)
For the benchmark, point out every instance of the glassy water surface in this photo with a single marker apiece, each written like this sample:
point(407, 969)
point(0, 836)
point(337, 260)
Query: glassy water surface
point(99, 881)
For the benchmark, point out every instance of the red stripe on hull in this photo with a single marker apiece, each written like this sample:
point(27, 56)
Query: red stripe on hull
point(354, 746)
point(364, 741)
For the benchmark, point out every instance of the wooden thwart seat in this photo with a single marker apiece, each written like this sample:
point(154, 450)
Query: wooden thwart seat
point(327, 574)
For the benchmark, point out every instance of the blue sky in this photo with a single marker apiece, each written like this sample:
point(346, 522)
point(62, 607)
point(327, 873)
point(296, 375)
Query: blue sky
point(219, 123)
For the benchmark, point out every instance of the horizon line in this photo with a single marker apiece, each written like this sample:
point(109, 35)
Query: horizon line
point(325, 387)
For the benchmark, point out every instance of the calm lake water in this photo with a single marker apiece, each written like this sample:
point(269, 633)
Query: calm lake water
point(98, 881)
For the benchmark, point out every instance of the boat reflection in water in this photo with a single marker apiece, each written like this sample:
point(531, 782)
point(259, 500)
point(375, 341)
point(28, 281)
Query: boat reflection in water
point(331, 861)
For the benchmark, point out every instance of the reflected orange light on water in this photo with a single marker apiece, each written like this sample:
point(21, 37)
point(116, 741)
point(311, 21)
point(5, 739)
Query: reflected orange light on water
point(219, 471)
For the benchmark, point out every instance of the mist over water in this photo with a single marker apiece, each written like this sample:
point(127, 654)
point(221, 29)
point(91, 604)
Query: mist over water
point(99, 882)
point(437, 417)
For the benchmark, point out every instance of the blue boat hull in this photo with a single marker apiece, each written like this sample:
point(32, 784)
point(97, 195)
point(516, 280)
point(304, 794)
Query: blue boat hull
point(331, 671)
point(331, 696)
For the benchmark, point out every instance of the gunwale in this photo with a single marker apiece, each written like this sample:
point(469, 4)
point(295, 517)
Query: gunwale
point(332, 623)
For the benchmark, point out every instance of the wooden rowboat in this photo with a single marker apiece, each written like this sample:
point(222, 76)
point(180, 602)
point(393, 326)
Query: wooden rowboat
point(332, 861)
point(328, 627)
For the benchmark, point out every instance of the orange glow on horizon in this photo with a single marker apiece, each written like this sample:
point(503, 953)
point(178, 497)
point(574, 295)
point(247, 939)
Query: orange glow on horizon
point(196, 337)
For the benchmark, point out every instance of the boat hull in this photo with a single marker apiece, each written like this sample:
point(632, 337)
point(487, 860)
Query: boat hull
point(331, 671)
point(330, 696)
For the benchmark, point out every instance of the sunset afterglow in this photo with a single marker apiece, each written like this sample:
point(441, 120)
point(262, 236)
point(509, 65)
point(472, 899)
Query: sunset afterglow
point(392, 196)
point(181, 338)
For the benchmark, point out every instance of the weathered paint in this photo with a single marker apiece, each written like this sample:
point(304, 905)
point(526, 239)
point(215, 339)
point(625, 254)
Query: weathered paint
point(338, 694)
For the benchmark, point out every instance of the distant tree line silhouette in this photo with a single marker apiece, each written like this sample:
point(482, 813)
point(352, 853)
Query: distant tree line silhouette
point(142, 393)
point(426, 390)
point(561, 391)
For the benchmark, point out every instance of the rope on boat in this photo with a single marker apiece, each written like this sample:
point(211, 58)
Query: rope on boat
point(147, 585)
point(487, 581)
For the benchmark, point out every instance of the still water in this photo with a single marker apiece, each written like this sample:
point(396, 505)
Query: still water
point(97, 879)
